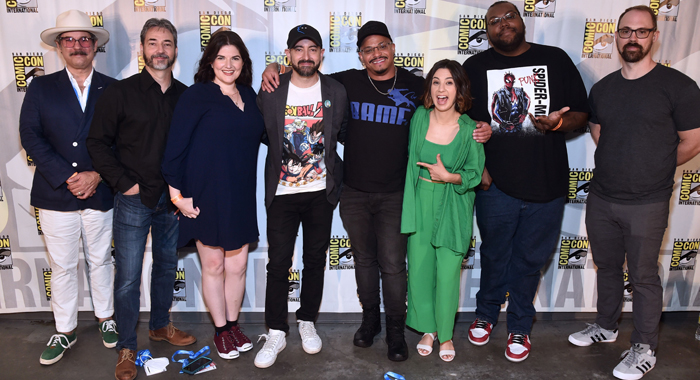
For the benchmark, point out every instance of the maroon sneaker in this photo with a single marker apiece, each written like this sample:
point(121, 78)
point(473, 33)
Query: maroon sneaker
point(479, 332)
point(241, 341)
point(225, 345)
point(518, 347)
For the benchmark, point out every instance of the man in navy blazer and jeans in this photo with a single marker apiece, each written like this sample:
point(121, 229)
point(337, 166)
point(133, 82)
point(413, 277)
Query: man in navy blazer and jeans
point(304, 120)
point(73, 202)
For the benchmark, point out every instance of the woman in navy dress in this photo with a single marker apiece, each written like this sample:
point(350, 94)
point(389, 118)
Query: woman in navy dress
point(210, 163)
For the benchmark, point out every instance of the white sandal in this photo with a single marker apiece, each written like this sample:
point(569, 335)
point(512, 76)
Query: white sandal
point(425, 347)
point(444, 353)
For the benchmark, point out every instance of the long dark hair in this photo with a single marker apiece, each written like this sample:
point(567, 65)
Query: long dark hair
point(205, 73)
point(464, 96)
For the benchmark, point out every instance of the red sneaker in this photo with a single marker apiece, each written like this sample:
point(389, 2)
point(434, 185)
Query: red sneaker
point(241, 341)
point(479, 332)
point(518, 347)
point(225, 345)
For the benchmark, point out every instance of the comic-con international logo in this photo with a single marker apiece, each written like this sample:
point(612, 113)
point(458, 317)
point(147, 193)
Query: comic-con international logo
point(22, 6)
point(38, 222)
point(280, 59)
point(340, 254)
point(472, 35)
point(598, 39)
point(149, 5)
point(468, 261)
point(539, 8)
point(5, 253)
point(46, 272)
point(627, 289)
point(579, 182)
point(410, 6)
point(179, 291)
point(572, 253)
point(294, 285)
point(690, 188)
point(210, 23)
point(411, 62)
point(344, 28)
point(665, 10)
point(97, 21)
point(280, 5)
point(27, 66)
point(684, 254)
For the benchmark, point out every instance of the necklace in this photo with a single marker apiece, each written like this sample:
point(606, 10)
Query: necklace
point(231, 96)
point(396, 74)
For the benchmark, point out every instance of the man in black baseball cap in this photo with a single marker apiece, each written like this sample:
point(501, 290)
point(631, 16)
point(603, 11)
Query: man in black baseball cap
point(372, 28)
point(301, 32)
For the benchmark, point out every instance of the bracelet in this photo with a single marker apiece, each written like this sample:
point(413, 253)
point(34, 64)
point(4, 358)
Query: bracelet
point(176, 198)
point(283, 69)
point(561, 121)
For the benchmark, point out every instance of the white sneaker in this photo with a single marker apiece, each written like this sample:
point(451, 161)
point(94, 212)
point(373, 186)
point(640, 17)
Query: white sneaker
point(636, 362)
point(275, 342)
point(310, 340)
point(592, 334)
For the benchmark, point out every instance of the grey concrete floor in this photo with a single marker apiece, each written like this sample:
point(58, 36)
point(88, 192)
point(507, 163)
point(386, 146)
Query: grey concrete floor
point(23, 337)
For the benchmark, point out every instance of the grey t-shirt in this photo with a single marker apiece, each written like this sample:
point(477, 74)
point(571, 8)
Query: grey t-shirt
point(636, 156)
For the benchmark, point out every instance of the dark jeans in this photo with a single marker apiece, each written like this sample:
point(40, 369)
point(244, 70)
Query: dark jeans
point(373, 223)
point(132, 222)
point(638, 230)
point(283, 217)
point(518, 238)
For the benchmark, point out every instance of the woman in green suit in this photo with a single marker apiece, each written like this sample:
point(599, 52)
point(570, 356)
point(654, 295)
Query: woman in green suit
point(444, 167)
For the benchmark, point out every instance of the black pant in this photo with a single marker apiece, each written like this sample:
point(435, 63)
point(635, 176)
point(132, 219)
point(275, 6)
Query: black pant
point(373, 223)
point(283, 216)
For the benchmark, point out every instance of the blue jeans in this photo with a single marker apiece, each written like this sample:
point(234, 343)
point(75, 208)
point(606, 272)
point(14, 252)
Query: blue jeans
point(518, 238)
point(132, 222)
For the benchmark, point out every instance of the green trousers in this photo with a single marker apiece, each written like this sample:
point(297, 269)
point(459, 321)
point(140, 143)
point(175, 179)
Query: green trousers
point(433, 273)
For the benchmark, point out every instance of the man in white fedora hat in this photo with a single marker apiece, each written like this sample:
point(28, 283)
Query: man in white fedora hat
point(74, 205)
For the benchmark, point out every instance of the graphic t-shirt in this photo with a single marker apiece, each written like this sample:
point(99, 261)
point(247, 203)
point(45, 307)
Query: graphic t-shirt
point(376, 143)
point(635, 160)
point(524, 162)
point(303, 153)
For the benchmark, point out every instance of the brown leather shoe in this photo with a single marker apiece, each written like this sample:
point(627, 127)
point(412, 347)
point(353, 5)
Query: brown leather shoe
point(126, 367)
point(172, 335)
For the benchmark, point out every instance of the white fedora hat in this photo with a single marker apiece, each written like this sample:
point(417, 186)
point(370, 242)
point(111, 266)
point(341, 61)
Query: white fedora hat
point(73, 21)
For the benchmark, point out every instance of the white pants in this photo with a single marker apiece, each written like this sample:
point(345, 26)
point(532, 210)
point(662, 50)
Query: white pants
point(62, 233)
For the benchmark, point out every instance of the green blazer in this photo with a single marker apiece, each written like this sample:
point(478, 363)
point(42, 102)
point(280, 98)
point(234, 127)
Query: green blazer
point(453, 224)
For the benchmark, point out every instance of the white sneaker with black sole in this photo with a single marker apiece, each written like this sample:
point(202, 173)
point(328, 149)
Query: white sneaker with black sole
point(593, 334)
point(310, 340)
point(275, 342)
point(636, 362)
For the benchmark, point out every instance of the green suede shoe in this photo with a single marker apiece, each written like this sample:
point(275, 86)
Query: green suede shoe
point(110, 336)
point(56, 347)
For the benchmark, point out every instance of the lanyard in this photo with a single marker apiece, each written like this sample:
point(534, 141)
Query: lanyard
point(142, 357)
point(393, 376)
point(191, 356)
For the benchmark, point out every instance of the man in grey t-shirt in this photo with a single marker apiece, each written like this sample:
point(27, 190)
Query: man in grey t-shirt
point(643, 120)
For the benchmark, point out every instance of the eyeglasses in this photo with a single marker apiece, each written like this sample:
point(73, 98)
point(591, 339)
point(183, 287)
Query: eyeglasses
point(382, 47)
point(497, 20)
point(641, 33)
point(69, 42)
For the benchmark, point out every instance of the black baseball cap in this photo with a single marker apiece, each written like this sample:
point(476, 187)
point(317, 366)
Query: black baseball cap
point(301, 32)
point(372, 28)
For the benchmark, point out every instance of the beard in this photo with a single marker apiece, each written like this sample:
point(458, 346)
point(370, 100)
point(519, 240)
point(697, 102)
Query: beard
point(635, 55)
point(306, 71)
point(159, 66)
point(509, 46)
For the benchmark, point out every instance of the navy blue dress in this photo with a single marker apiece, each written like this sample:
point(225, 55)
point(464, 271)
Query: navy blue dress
point(211, 156)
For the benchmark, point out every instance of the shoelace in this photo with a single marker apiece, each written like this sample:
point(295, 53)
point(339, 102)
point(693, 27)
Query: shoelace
point(270, 342)
point(57, 339)
point(519, 339)
point(109, 325)
point(125, 354)
point(307, 330)
point(481, 324)
point(631, 356)
point(238, 336)
point(592, 328)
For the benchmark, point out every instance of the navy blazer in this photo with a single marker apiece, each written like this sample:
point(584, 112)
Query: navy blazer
point(53, 129)
point(335, 115)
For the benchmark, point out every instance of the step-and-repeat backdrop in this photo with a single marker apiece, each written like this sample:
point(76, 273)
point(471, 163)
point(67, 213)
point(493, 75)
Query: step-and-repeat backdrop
point(424, 31)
